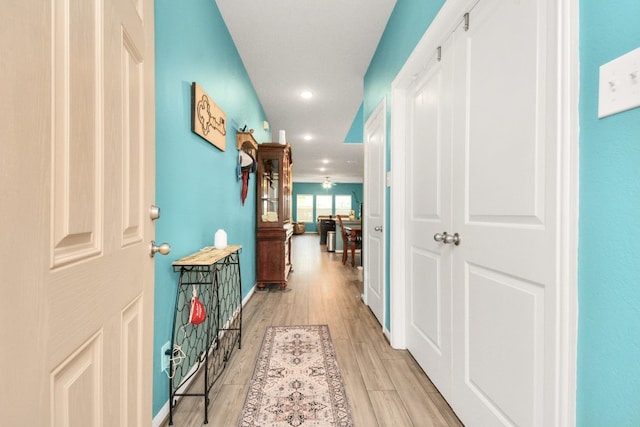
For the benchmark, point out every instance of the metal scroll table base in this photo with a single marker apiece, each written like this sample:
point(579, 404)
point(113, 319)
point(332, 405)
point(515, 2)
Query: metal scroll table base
point(200, 352)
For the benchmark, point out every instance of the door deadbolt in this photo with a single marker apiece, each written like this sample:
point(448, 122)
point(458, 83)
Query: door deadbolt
point(154, 212)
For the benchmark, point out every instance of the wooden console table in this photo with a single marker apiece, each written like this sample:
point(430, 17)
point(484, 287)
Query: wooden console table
point(213, 275)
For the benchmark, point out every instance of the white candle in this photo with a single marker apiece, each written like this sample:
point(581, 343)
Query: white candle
point(220, 239)
point(282, 138)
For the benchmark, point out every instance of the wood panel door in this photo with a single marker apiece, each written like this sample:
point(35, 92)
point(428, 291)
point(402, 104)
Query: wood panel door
point(505, 209)
point(78, 181)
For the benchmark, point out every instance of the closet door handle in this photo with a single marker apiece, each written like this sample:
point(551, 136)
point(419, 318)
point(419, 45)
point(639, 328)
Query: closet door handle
point(452, 238)
point(447, 238)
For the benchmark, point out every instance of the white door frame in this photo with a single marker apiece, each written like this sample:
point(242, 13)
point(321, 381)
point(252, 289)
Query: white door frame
point(567, 127)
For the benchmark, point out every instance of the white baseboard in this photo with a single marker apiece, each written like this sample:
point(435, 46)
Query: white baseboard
point(249, 295)
point(161, 416)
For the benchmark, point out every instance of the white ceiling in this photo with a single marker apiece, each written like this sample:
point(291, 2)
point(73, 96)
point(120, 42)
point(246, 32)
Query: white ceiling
point(323, 46)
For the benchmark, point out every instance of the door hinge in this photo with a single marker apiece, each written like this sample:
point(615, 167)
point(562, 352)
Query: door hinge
point(466, 21)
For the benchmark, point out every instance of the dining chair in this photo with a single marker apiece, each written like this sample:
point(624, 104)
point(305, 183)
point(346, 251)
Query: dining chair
point(348, 242)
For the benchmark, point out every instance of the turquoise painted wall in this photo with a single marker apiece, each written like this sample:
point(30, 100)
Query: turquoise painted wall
point(407, 24)
point(609, 254)
point(356, 133)
point(196, 184)
point(354, 190)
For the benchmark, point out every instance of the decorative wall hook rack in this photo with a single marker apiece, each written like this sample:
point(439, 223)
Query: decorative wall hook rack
point(245, 138)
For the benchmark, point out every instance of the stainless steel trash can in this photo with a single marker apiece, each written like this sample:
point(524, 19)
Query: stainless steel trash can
point(324, 226)
point(331, 241)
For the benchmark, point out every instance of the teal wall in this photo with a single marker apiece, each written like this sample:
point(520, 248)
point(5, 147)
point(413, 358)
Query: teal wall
point(407, 24)
point(356, 133)
point(354, 190)
point(196, 184)
point(609, 254)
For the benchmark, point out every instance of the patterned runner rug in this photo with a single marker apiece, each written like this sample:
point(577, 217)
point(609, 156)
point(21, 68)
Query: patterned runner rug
point(296, 381)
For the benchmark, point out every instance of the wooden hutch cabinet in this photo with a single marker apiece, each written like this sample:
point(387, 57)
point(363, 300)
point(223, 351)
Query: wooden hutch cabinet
point(274, 225)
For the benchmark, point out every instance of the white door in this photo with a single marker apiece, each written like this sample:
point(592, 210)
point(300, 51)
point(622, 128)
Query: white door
point(427, 213)
point(374, 204)
point(77, 120)
point(493, 181)
point(505, 209)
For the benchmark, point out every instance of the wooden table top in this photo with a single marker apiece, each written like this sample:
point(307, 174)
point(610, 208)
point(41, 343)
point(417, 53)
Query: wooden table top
point(207, 256)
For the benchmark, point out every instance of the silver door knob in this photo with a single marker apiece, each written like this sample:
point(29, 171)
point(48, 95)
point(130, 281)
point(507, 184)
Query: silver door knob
point(163, 249)
point(452, 238)
point(439, 237)
point(378, 228)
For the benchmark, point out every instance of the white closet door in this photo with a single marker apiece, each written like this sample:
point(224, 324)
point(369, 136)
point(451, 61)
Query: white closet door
point(504, 209)
point(428, 212)
point(374, 217)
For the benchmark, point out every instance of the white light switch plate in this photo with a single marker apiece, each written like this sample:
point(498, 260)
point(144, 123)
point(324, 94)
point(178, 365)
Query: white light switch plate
point(619, 84)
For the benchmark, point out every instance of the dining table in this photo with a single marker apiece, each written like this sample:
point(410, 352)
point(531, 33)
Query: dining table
point(355, 233)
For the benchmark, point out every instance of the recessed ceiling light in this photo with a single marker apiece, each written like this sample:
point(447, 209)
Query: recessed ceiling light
point(306, 94)
point(323, 169)
point(307, 137)
point(325, 161)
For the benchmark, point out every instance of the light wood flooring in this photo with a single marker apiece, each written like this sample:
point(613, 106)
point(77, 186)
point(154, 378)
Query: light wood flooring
point(385, 387)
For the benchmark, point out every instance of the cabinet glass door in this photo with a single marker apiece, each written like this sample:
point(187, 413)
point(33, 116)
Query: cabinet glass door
point(286, 183)
point(269, 196)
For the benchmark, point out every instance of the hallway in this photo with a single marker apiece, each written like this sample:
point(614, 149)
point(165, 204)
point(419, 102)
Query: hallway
point(385, 387)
